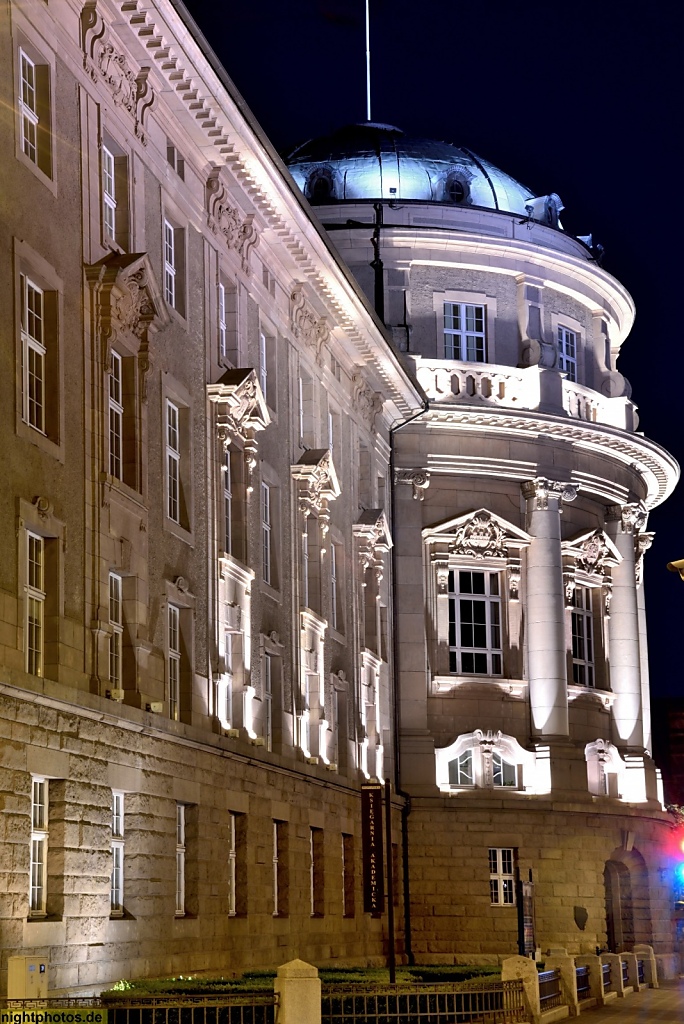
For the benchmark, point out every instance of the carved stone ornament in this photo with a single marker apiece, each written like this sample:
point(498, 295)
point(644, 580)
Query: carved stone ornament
point(632, 516)
point(373, 539)
point(237, 228)
point(418, 478)
point(317, 484)
point(569, 584)
point(367, 402)
point(594, 552)
point(313, 330)
point(43, 507)
point(607, 588)
point(181, 584)
point(241, 412)
point(514, 582)
point(542, 489)
point(643, 543)
point(480, 536)
point(104, 62)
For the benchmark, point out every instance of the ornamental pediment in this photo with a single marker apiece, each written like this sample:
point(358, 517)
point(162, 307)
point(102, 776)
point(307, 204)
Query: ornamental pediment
point(479, 534)
point(226, 220)
point(317, 479)
point(239, 402)
point(373, 536)
point(128, 296)
point(592, 551)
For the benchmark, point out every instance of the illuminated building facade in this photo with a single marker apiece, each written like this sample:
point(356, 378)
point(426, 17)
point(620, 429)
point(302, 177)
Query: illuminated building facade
point(236, 540)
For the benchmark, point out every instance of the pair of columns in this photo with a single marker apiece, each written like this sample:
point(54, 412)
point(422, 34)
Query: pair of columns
point(546, 633)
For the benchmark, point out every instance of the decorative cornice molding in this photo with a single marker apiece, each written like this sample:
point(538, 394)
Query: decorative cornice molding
point(313, 330)
point(367, 402)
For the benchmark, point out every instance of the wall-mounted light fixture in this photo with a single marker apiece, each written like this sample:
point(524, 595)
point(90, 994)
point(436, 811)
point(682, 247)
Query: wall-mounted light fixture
point(677, 567)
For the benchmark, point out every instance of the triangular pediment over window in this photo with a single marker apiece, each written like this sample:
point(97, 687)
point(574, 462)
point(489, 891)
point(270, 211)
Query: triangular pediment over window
point(128, 297)
point(593, 551)
point(478, 534)
point(239, 401)
point(317, 480)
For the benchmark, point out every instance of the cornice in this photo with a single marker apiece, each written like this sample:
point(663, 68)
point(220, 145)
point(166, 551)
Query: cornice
point(657, 468)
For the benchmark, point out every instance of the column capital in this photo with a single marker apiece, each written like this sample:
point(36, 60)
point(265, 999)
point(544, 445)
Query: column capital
point(542, 489)
point(418, 478)
point(631, 516)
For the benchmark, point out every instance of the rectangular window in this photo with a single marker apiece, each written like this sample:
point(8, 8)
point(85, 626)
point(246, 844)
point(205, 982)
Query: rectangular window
point(180, 860)
point(35, 604)
point(474, 623)
point(34, 353)
point(280, 869)
point(464, 332)
point(263, 366)
point(316, 872)
point(333, 586)
point(461, 769)
point(502, 877)
point(268, 701)
point(108, 193)
point(173, 458)
point(174, 661)
point(175, 160)
point(169, 263)
point(503, 773)
point(582, 637)
point(227, 503)
point(567, 352)
point(117, 879)
point(222, 330)
point(39, 847)
point(116, 417)
point(28, 103)
point(347, 875)
point(116, 624)
point(232, 864)
point(266, 532)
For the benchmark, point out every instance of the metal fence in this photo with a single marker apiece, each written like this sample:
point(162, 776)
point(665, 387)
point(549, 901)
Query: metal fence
point(230, 1008)
point(583, 987)
point(641, 972)
point(625, 973)
point(484, 1002)
point(607, 977)
point(550, 993)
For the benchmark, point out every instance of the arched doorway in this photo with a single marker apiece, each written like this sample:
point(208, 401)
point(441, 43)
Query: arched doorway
point(628, 919)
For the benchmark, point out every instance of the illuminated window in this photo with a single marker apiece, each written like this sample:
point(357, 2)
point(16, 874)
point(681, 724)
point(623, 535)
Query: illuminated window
point(35, 604)
point(116, 637)
point(503, 773)
point(180, 860)
point(117, 878)
point(39, 847)
point(582, 637)
point(567, 352)
point(474, 623)
point(461, 769)
point(502, 877)
point(464, 332)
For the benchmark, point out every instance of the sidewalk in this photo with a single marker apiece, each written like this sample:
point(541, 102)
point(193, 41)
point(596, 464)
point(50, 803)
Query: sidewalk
point(664, 1005)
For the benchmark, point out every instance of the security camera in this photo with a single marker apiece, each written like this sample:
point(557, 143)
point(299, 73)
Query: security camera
point(677, 567)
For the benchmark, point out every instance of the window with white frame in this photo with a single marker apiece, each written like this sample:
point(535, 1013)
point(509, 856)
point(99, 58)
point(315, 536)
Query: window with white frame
point(461, 769)
point(266, 533)
point(227, 682)
point(39, 847)
point(116, 417)
point(174, 661)
point(180, 860)
point(232, 864)
point(34, 110)
point(502, 876)
point(263, 366)
point(227, 502)
point(475, 623)
point(268, 700)
point(173, 458)
point(175, 160)
point(221, 316)
point(108, 193)
point(503, 772)
point(169, 263)
point(582, 637)
point(333, 587)
point(567, 352)
point(116, 636)
point(464, 332)
point(34, 354)
point(35, 604)
point(117, 879)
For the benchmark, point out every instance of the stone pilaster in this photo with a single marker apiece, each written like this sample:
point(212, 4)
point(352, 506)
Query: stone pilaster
point(623, 523)
point(546, 644)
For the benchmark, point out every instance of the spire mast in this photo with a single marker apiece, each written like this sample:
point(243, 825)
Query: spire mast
point(368, 80)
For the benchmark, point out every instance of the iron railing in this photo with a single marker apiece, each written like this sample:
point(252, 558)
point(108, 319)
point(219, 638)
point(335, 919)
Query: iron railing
point(61, 1003)
point(257, 1007)
point(625, 973)
point(550, 993)
point(607, 971)
point(487, 1002)
point(583, 987)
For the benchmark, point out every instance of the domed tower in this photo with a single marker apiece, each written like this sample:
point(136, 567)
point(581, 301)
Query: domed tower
point(521, 500)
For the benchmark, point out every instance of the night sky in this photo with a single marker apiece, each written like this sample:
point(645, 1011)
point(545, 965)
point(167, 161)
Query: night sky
point(582, 98)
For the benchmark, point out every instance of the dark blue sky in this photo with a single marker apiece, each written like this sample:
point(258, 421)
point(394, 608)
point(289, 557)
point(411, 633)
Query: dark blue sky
point(582, 98)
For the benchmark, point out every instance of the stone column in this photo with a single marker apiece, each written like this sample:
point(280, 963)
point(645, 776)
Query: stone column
point(644, 541)
point(622, 524)
point(546, 643)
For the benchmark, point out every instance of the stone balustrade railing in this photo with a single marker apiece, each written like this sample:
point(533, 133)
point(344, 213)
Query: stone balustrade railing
point(532, 388)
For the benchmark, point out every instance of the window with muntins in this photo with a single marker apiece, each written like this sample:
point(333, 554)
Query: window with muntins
point(268, 700)
point(180, 860)
point(464, 332)
point(169, 263)
point(116, 637)
point(582, 637)
point(502, 877)
point(117, 878)
point(503, 773)
point(34, 353)
point(108, 193)
point(116, 417)
point(174, 661)
point(266, 532)
point(35, 604)
point(461, 770)
point(474, 623)
point(221, 315)
point(567, 352)
point(34, 112)
point(280, 869)
point(173, 458)
point(39, 847)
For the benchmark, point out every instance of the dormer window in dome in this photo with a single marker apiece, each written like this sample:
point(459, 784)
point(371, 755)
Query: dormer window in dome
point(456, 189)
point(320, 187)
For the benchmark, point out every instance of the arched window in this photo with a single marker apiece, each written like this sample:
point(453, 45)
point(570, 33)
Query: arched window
point(456, 189)
point(319, 187)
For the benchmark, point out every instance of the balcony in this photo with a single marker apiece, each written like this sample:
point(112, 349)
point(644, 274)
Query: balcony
point(529, 389)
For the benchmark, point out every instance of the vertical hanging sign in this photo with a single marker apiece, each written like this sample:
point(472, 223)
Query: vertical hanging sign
point(371, 843)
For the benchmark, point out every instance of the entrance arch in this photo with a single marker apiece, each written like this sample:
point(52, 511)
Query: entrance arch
point(628, 918)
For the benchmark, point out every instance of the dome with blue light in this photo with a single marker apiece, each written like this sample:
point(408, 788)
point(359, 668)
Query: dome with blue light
point(372, 161)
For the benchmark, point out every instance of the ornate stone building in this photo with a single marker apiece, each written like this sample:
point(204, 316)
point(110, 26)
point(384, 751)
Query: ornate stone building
point(243, 553)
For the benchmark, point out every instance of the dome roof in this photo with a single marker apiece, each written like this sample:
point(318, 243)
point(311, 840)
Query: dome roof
point(378, 161)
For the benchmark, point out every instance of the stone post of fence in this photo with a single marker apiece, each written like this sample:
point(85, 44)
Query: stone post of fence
point(298, 989)
point(645, 953)
point(615, 962)
point(515, 967)
point(568, 978)
point(595, 975)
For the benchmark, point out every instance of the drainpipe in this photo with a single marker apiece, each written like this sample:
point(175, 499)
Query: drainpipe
point(406, 797)
point(376, 263)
